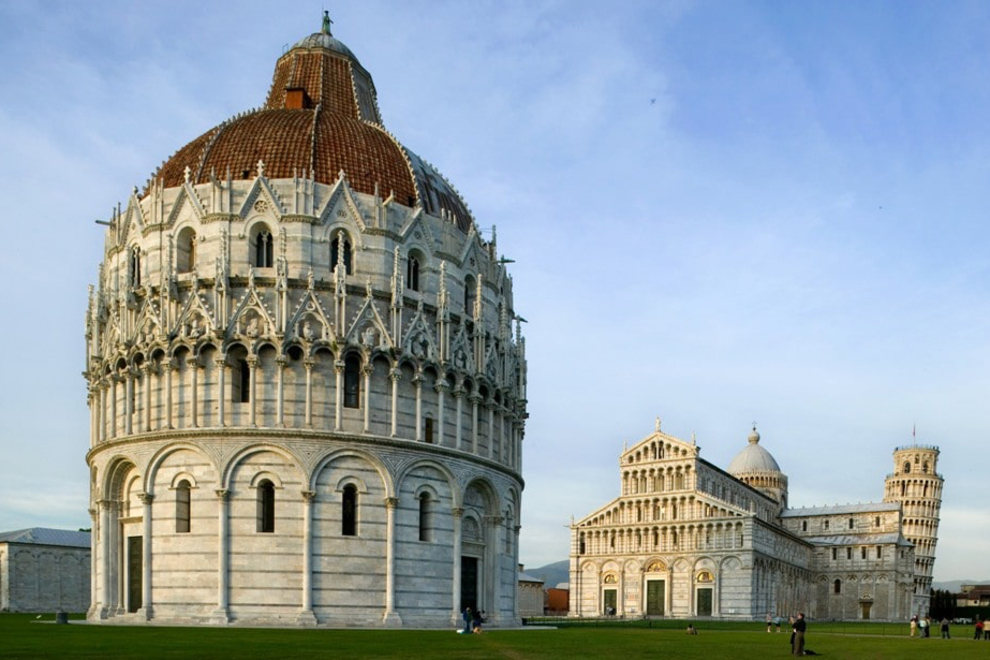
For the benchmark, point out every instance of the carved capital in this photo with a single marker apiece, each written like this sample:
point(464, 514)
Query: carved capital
point(391, 503)
point(457, 512)
point(222, 494)
point(308, 495)
point(146, 498)
point(252, 361)
point(309, 363)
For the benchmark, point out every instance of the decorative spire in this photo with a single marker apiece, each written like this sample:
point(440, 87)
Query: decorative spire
point(326, 23)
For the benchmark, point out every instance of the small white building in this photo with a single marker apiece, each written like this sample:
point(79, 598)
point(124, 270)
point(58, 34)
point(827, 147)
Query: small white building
point(44, 570)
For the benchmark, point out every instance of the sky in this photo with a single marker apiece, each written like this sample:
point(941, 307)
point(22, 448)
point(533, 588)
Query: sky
point(720, 213)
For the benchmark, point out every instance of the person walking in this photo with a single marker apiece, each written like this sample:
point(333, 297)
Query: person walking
point(800, 627)
point(769, 621)
point(914, 624)
point(945, 628)
point(467, 620)
point(928, 625)
point(979, 629)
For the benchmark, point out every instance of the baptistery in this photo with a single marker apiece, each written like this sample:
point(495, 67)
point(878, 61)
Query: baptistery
point(306, 377)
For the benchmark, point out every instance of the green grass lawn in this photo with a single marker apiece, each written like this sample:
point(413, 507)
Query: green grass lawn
point(21, 636)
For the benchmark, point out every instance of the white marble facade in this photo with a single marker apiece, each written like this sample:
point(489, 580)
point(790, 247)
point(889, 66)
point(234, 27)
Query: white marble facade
point(687, 539)
point(307, 399)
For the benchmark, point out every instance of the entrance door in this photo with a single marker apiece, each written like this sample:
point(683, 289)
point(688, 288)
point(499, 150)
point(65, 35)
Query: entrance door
point(135, 549)
point(610, 601)
point(704, 602)
point(469, 583)
point(865, 609)
point(656, 594)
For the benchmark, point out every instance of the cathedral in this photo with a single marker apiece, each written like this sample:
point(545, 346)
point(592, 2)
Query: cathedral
point(688, 539)
point(306, 377)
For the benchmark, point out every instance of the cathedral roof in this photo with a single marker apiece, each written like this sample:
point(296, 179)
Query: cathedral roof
point(753, 458)
point(45, 536)
point(841, 509)
point(320, 119)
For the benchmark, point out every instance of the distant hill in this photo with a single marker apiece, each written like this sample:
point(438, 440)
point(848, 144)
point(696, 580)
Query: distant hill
point(952, 586)
point(552, 574)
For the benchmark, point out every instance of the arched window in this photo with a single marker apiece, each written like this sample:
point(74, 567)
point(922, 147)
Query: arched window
point(425, 518)
point(240, 376)
point(185, 251)
point(348, 513)
point(907, 467)
point(340, 240)
point(266, 507)
point(837, 586)
point(264, 253)
point(470, 294)
point(352, 382)
point(412, 272)
point(134, 267)
point(428, 430)
point(182, 507)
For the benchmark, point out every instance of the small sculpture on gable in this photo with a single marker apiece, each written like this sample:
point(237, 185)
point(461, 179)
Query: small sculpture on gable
point(368, 337)
point(192, 329)
point(307, 331)
point(253, 329)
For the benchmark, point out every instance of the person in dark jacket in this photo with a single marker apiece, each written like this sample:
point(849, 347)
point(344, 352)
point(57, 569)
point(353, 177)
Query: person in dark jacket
point(799, 629)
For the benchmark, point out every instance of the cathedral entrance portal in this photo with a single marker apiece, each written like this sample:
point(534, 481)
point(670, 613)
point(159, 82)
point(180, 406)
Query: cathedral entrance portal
point(656, 595)
point(609, 602)
point(704, 601)
point(134, 571)
point(469, 583)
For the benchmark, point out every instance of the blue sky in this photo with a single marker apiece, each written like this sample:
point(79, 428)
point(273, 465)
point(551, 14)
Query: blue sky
point(720, 212)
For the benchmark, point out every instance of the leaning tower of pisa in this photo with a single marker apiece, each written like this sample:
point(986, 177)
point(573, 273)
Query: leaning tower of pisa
point(917, 487)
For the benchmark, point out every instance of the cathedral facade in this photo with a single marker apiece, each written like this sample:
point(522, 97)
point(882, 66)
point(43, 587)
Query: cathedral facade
point(306, 378)
point(688, 539)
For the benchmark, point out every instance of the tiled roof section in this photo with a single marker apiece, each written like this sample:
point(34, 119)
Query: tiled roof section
point(839, 509)
point(45, 536)
point(327, 136)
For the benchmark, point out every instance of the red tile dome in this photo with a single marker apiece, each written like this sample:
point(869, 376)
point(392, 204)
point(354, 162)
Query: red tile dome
point(321, 118)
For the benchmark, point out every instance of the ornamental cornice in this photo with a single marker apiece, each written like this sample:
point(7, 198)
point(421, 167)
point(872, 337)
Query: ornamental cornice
point(219, 217)
point(300, 218)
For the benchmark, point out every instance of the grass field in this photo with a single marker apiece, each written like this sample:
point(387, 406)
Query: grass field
point(22, 636)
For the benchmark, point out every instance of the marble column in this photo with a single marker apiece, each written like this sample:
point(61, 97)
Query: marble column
point(221, 614)
point(193, 363)
point(338, 368)
point(391, 617)
point(280, 363)
point(418, 382)
point(253, 366)
point(455, 597)
point(308, 364)
point(306, 616)
point(441, 389)
point(366, 397)
point(221, 365)
point(147, 609)
point(395, 376)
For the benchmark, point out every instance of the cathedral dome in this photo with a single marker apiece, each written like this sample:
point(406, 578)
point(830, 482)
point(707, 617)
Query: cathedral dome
point(753, 458)
point(320, 120)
